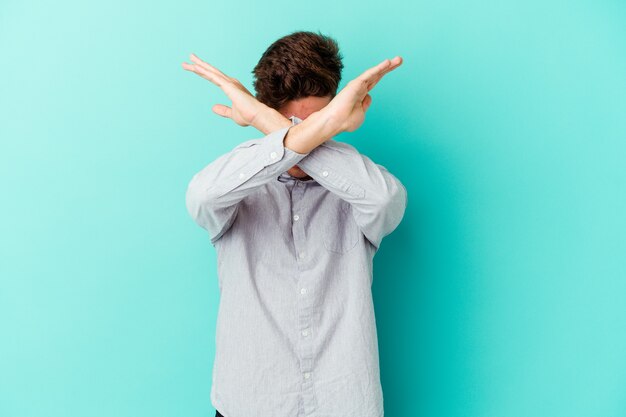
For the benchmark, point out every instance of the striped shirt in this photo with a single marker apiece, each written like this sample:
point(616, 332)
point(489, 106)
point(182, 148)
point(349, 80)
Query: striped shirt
point(296, 331)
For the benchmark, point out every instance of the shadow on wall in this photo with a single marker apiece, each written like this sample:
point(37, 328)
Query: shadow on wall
point(421, 276)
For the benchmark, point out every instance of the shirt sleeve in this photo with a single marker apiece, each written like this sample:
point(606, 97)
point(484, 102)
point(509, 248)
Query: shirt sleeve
point(377, 197)
point(214, 193)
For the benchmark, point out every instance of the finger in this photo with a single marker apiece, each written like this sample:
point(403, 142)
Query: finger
point(215, 78)
point(374, 74)
point(222, 110)
point(211, 69)
point(194, 58)
point(371, 73)
point(395, 63)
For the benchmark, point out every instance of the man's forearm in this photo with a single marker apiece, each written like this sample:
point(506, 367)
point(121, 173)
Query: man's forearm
point(307, 135)
point(269, 120)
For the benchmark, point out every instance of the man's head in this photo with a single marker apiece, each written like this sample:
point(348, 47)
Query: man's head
point(298, 75)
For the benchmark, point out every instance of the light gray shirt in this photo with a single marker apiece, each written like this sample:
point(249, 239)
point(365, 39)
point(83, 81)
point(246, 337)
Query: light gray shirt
point(296, 332)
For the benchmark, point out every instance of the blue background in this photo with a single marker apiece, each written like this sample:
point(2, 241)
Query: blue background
point(501, 294)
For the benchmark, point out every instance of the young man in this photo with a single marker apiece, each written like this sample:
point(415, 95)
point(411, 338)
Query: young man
point(296, 219)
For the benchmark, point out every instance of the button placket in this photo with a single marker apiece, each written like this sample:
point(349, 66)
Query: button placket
point(303, 296)
point(297, 226)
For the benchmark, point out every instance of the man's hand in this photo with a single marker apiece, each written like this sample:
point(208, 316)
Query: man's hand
point(245, 107)
point(345, 112)
point(347, 109)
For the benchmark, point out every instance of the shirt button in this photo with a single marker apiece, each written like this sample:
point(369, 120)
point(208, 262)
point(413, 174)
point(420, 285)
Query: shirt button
point(296, 217)
point(273, 155)
point(325, 173)
point(305, 332)
point(302, 255)
point(241, 175)
point(307, 375)
point(302, 290)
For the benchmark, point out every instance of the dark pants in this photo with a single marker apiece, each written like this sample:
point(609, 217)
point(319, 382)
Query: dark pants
point(218, 414)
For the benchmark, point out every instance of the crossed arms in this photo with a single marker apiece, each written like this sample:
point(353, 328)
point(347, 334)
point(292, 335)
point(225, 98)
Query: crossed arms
point(378, 198)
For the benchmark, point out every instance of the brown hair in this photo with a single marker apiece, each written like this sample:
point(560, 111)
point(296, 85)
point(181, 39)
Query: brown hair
point(298, 65)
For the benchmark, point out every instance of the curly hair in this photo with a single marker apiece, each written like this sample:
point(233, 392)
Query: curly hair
point(298, 65)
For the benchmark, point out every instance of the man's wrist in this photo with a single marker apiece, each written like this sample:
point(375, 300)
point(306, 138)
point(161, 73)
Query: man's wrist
point(305, 136)
point(331, 126)
point(268, 120)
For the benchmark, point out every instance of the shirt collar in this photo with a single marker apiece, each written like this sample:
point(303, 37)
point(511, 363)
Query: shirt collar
point(295, 120)
point(285, 176)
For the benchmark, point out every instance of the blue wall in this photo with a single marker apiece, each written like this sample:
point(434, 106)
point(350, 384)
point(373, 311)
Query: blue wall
point(501, 294)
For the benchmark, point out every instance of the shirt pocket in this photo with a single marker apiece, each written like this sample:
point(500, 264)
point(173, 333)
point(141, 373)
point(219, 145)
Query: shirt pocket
point(342, 233)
